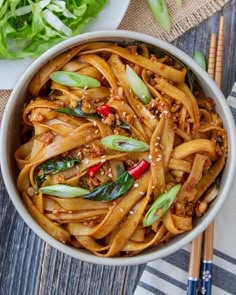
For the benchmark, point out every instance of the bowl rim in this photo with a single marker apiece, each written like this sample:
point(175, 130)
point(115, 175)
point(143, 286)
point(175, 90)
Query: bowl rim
point(15, 197)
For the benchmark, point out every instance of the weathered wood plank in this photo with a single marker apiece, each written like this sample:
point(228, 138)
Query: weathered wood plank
point(29, 266)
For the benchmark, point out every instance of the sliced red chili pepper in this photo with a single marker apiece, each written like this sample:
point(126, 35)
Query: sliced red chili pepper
point(93, 170)
point(104, 110)
point(138, 169)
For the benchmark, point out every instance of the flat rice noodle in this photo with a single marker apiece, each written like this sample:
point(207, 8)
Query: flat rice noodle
point(159, 68)
point(178, 164)
point(128, 227)
point(209, 127)
point(132, 246)
point(39, 202)
point(61, 128)
point(164, 86)
point(123, 108)
point(103, 67)
point(74, 65)
point(167, 142)
point(98, 93)
point(38, 103)
point(169, 223)
point(157, 164)
point(50, 227)
point(116, 214)
point(77, 216)
point(194, 146)
point(24, 153)
point(210, 177)
point(77, 204)
point(104, 129)
point(139, 108)
point(182, 223)
point(126, 230)
point(63, 93)
point(90, 244)
point(51, 205)
point(183, 87)
point(205, 116)
point(138, 235)
point(186, 191)
point(182, 134)
point(92, 72)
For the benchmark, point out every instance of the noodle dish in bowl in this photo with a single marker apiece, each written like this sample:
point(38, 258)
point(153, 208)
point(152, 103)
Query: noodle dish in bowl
point(121, 151)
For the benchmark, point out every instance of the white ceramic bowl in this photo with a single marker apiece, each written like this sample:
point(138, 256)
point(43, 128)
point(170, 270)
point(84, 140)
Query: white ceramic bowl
point(10, 140)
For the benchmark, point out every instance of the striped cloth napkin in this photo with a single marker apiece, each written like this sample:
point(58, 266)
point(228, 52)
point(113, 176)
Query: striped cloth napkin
point(168, 276)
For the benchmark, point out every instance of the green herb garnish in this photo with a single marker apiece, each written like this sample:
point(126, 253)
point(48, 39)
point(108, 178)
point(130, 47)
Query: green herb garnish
point(74, 80)
point(161, 205)
point(124, 144)
point(50, 167)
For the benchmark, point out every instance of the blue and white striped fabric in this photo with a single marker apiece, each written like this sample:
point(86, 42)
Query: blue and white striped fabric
point(169, 276)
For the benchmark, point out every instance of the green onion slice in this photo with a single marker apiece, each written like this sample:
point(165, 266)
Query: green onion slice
point(124, 144)
point(160, 13)
point(64, 191)
point(161, 205)
point(199, 58)
point(73, 79)
point(138, 86)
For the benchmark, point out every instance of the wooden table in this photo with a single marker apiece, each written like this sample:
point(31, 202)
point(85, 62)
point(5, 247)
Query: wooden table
point(30, 266)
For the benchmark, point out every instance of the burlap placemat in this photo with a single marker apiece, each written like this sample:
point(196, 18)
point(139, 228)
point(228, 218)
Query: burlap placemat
point(139, 18)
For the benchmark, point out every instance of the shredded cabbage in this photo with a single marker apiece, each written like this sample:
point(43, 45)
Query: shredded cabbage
point(30, 27)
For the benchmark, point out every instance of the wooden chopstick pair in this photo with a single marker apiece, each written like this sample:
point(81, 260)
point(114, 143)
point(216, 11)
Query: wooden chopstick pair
point(215, 66)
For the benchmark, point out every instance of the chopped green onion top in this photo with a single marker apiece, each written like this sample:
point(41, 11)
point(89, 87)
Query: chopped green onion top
point(160, 12)
point(64, 191)
point(199, 58)
point(124, 144)
point(161, 205)
point(138, 86)
point(73, 79)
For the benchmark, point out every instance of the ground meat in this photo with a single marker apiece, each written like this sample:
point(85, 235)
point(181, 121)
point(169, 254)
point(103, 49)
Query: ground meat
point(109, 120)
point(47, 137)
point(36, 116)
point(89, 105)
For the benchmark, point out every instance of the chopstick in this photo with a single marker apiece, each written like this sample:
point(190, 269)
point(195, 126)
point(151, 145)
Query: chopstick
point(215, 65)
point(209, 232)
point(219, 53)
point(194, 266)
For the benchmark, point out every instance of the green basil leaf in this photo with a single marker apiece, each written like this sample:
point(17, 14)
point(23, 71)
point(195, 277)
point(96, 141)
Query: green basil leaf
point(111, 190)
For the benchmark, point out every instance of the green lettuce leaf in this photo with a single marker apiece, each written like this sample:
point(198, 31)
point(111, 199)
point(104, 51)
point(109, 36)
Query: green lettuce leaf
point(30, 27)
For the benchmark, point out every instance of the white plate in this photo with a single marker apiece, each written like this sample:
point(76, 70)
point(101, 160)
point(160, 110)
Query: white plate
point(109, 19)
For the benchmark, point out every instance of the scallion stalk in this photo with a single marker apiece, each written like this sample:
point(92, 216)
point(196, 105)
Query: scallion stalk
point(161, 14)
point(199, 58)
point(138, 86)
point(124, 144)
point(74, 80)
point(64, 191)
point(161, 205)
